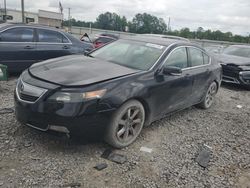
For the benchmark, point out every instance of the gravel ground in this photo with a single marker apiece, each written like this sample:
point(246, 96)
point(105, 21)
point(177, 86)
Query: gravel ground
point(29, 158)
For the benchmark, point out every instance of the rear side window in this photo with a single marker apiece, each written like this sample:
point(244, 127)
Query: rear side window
point(178, 58)
point(17, 35)
point(51, 36)
point(196, 57)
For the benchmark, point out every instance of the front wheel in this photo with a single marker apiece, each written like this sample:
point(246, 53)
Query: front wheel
point(209, 97)
point(126, 124)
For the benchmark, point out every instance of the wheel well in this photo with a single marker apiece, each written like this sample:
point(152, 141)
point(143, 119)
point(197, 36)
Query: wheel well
point(146, 108)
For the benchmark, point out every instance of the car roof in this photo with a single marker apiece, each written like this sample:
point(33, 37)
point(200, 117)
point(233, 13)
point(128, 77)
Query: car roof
point(240, 46)
point(157, 40)
point(167, 36)
point(7, 25)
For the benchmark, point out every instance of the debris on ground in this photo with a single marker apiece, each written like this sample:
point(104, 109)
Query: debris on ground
point(145, 149)
point(106, 153)
point(73, 185)
point(114, 157)
point(117, 158)
point(239, 106)
point(203, 157)
point(101, 166)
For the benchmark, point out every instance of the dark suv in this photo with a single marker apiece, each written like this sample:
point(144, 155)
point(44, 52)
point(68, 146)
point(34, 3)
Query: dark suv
point(22, 45)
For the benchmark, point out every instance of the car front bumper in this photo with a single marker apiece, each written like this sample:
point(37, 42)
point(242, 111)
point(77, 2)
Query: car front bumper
point(77, 118)
point(235, 76)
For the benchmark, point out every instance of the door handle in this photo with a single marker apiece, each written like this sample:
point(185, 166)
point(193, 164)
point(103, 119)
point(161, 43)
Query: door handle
point(28, 47)
point(65, 47)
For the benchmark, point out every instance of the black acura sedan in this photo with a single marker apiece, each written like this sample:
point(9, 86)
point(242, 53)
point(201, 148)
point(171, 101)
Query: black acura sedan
point(117, 89)
point(21, 45)
point(235, 61)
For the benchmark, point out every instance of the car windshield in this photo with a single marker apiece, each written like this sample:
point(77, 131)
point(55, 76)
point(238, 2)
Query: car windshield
point(132, 54)
point(238, 51)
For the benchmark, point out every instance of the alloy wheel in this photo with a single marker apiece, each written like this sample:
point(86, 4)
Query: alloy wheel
point(130, 124)
point(211, 94)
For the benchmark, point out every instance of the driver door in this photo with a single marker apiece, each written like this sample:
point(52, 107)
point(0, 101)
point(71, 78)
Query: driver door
point(172, 92)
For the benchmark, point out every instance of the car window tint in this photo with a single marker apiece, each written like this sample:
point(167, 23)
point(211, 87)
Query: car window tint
point(178, 58)
point(17, 35)
point(206, 59)
point(51, 36)
point(196, 57)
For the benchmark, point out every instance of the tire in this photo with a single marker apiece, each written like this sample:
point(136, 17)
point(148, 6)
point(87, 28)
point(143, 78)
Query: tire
point(126, 124)
point(209, 97)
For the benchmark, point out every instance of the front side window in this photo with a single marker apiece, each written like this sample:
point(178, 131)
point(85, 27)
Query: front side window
point(132, 54)
point(196, 57)
point(17, 35)
point(206, 59)
point(178, 58)
point(50, 36)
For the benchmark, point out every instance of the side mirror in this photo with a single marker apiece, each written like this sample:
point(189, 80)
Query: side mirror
point(171, 70)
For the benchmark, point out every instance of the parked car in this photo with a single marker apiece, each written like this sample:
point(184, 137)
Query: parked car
point(22, 45)
point(100, 39)
point(117, 89)
point(235, 61)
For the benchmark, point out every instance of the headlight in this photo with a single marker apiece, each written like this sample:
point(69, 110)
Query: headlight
point(64, 96)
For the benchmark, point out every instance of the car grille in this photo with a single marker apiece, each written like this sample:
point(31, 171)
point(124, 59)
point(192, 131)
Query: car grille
point(28, 93)
point(231, 71)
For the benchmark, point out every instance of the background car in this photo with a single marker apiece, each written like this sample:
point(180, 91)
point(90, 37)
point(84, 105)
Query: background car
point(214, 49)
point(22, 45)
point(235, 61)
point(118, 89)
point(100, 39)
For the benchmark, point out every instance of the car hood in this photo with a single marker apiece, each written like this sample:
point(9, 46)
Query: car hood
point(76, 70)
point(234, 60)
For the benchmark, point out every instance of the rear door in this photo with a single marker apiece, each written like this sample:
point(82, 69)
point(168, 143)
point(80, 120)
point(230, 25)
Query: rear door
point(17, 48)
point(201, 72)
point(52, 44)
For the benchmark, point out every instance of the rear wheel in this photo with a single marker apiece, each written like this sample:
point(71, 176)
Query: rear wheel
point(126, 124)
point(210, 96)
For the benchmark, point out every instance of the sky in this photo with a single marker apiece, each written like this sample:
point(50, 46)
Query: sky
point(225, 15)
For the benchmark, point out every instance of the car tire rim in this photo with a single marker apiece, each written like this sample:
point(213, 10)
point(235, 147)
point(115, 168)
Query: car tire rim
point(210, 94)
point(130, 124)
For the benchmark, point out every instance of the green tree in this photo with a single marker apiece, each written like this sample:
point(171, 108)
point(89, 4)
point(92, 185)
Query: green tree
point(146, 23)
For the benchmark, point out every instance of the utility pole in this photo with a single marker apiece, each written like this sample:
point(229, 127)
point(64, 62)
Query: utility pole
point(169, 24)
point(69, 20)
point(23, 18)
point(5, 12)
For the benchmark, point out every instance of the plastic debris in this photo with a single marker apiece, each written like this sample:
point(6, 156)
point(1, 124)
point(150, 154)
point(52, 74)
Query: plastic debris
point(101, 166)
point(117, 158)
point(203, 157)
point(239, 106)
point(145, 149)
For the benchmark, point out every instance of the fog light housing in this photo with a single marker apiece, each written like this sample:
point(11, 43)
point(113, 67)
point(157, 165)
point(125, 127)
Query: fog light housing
point(245, 76)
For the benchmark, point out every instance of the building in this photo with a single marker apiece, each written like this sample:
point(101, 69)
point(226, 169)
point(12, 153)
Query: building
point(43, 17)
